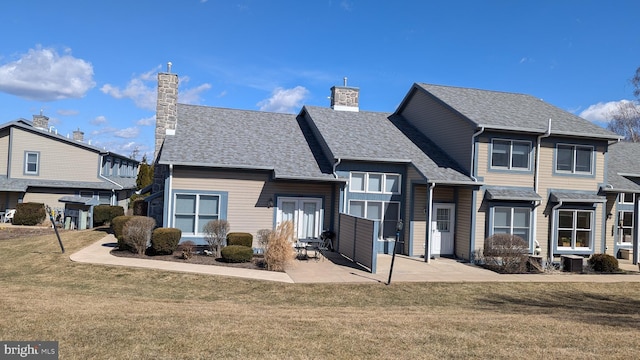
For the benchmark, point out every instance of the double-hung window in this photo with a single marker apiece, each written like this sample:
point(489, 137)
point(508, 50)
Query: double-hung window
point(575, 228)
point(31, 163)
point(510, 154)
point(193, 211)
point(512, 220)
point(574, 159)
point(625, 227)
point(375, 183)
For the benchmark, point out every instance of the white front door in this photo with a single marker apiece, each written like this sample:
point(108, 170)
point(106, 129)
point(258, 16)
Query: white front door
point(305, 213)
point(442, 229)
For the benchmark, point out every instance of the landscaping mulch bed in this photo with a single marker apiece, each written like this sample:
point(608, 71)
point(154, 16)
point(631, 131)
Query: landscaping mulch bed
point(257, 263)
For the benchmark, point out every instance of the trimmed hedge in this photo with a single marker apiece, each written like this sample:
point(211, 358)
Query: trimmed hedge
point(164, 241)
point(603, 263)
point(103, 214)
point(117, 224)
point(240, 238)
point(29, 214)
point(237, 253)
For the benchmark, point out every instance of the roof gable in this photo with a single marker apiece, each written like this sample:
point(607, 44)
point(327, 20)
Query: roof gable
point(623, 167)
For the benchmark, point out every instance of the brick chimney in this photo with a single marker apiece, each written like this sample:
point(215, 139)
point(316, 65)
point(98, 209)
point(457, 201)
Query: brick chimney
point(345, 98)
point(41, 121)
point(78, 135)
point(166, 108)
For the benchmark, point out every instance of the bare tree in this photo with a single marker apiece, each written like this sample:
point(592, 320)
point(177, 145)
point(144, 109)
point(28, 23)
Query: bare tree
point(216, 234)
point(626, 120)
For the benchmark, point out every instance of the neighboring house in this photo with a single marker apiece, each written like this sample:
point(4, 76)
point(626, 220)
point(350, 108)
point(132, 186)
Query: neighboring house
point(67, 174)
point(456, 165)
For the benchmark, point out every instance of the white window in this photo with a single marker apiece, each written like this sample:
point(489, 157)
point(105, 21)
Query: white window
point(512, 220)
point(510, 154)
point(575, 228)
point(375, 183)
point(386, 212)
point(574, 159)
point(626, 198)
point(193, 211)
point(31, 163)
point(625, 227)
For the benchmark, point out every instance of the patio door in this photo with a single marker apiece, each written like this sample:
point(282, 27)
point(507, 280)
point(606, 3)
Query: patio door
point(442, 229)
point(305, 213)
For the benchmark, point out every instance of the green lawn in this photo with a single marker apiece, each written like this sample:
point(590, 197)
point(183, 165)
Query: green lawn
point(102, 312)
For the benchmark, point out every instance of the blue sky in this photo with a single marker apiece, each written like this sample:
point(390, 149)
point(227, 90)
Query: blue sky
point(92, 65)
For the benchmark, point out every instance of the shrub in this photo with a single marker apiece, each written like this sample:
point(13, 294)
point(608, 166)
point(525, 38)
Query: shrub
point(603, 263)
point(164, 241)
point(215, 234)
point(240, 238)
point(237, 253)
point(140, 207)
point(137, 233)
point(263, 237)
point(29, 214)
point(117, 224)
point(187, 248)
point(506, 253)
point(103, 214)
point(279, 252)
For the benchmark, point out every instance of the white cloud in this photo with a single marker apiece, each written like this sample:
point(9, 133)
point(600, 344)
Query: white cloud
point(44, 75)
point(67, 112)
point(99, 120)
point(127, 133)
point(142, 89)
point(284, 100)
point(147, 121)
point(601, 112)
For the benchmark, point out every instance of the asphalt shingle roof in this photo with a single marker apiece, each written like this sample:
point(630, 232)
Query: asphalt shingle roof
point(512, 111)
point(244, 139)
point(378, 136)
point(624, 158)
point(21, 185)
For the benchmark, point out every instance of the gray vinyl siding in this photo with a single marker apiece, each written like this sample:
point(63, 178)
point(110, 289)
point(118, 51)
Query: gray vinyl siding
point(4, 152)
point(55, 157)
point(450, 131)
point(249, 194)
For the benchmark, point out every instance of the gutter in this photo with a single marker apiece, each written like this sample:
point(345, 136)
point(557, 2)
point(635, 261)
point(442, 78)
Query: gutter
point(427, 253)
point(169, 205)
point(473, 153)
point(536, 183)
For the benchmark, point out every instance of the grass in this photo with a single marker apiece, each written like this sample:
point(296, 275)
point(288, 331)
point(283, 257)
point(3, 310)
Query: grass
point(102, 312)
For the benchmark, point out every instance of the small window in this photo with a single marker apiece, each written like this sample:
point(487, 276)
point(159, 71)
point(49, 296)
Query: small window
point(626, 198)
point(625, 227)
point(574, 159)
point(194, 211)
point(392, 184)
point(375, 183)
point(510, 154)
point(512, 220)
point(357, 182)
point(31, 163)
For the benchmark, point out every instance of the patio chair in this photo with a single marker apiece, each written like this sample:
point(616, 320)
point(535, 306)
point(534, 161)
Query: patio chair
point(8, 216)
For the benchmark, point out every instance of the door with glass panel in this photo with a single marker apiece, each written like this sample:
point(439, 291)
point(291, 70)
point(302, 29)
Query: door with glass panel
point(442, 229)
point(305, 213)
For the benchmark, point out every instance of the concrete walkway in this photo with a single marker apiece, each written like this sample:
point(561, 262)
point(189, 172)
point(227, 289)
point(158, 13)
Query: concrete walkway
point(335, 269)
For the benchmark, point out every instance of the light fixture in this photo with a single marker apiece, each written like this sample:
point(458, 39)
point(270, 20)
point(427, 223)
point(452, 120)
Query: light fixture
point(270, 204)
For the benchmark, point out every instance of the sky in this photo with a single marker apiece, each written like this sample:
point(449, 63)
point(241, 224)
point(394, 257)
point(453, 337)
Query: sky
point(92, 65)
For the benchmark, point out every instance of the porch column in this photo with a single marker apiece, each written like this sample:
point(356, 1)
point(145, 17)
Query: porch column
point(429, 208)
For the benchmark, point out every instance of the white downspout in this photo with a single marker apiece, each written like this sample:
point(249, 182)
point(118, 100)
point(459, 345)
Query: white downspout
point(534, 232)
point(170, 197)
point(427, 255)
point(555, 232)
point(473, 153)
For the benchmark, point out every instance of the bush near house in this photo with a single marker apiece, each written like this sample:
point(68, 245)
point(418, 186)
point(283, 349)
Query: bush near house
point(140, 207)
point(603, 263)
point(237, 253)
point(279, 252)
point(137, 233)
point(215, 234)
point(240, 238)
point(506, 253)
point(103, 214)
point(117, 224)
point(29, 214)
point(164, 241)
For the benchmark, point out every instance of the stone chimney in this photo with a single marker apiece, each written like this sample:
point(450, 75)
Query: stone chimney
point(78, 135)
point(166, 108)
point(41, 121)
point(345, 98)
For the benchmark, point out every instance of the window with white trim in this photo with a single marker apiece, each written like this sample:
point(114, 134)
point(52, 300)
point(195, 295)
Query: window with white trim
point(575, 159)
point(193, 211)
point(626, 198)
point(510, 154)
point(512, 220)
point(374, 183)
point(386, 212)
point(625, 227)
point(31, 163)
point(575, 229)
